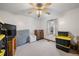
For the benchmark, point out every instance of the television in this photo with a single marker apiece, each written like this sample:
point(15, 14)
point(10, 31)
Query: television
point(10, 29)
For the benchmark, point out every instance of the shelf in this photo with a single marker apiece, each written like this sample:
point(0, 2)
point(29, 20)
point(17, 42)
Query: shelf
point(65, 49)
point(1, 36)
point(2, 52)
point(63, 46)
point(63, 38)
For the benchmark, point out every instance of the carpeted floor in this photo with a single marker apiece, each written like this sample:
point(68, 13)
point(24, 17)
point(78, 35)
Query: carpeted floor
point(41, 48)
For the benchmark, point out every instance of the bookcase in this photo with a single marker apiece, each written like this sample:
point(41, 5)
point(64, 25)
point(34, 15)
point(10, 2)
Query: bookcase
point(7, 40)
point(63, 41)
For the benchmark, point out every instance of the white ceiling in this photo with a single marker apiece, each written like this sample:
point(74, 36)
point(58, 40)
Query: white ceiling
point(23, 8)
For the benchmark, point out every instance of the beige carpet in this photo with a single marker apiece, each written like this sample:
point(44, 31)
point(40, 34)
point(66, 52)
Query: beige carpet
point(41, 48)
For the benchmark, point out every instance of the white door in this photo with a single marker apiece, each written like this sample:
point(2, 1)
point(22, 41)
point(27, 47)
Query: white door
point(52, 30)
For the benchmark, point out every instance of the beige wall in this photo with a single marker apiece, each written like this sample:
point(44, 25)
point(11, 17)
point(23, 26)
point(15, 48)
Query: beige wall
point(70, 22)
point(67, 22)
point(22, 22)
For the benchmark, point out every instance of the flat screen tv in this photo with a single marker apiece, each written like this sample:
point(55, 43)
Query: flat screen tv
point(11, 29)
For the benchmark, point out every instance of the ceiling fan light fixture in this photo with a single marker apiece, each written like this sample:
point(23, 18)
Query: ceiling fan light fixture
point(38, 12)
point(41, 8)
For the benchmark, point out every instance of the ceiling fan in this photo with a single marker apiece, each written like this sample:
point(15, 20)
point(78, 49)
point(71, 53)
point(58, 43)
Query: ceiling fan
point(39, 8)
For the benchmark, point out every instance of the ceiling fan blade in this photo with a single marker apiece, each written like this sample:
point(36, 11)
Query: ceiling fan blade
point(34, 5)
point(47, 5)
point(30, 10)
point(46, 11)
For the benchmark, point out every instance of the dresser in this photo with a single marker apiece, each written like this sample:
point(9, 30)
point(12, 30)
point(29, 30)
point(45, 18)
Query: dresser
point(39, 34)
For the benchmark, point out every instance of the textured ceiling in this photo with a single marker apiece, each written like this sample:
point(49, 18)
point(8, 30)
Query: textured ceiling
point(23, 8)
